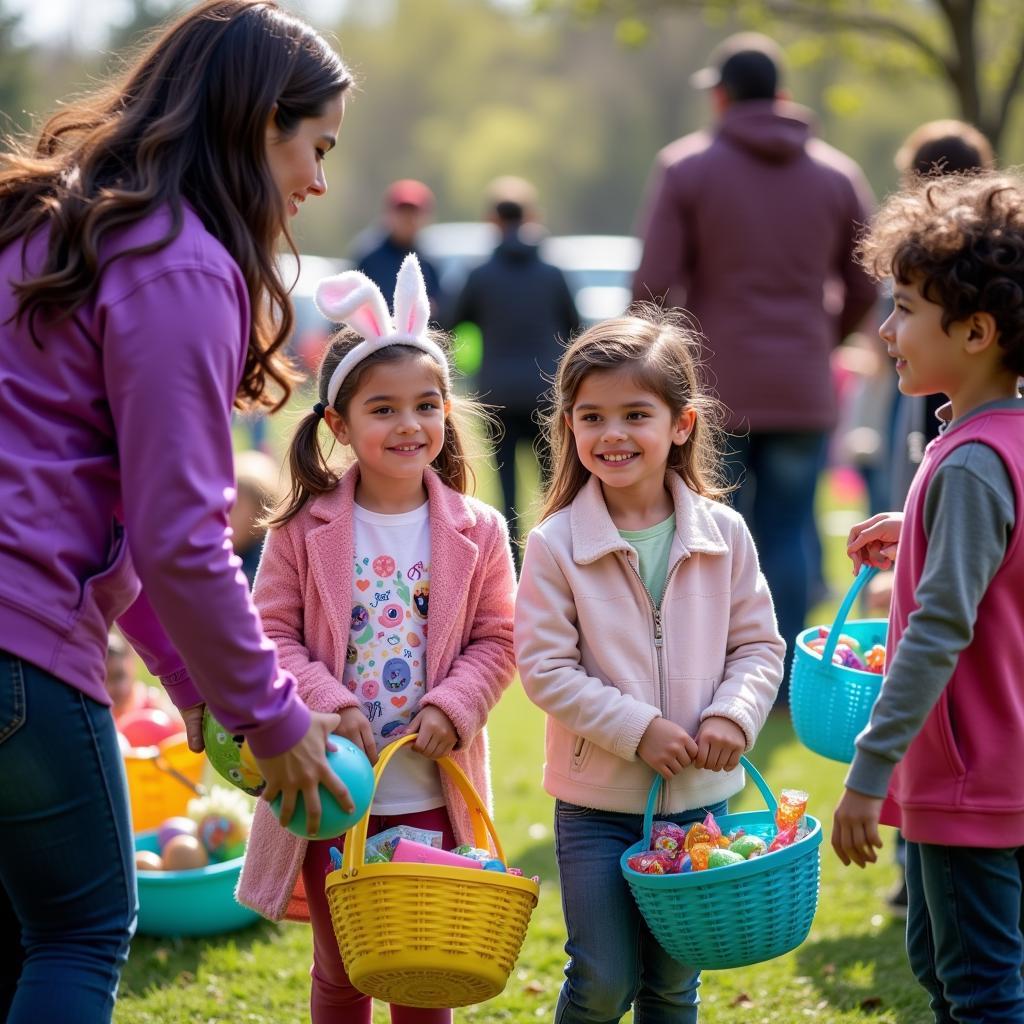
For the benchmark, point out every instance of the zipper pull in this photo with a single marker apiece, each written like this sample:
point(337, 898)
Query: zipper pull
point(657, 627)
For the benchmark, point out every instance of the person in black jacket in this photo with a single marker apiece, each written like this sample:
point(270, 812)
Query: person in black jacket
point(408, 205)
point(525, 312)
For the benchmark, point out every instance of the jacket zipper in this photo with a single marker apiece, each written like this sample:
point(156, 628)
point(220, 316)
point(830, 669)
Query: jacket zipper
point(659, 641)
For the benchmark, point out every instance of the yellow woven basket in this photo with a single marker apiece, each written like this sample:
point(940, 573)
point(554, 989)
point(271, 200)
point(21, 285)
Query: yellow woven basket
point(429, 935)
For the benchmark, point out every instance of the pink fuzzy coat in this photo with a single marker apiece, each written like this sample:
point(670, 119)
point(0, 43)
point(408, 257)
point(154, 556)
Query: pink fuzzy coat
point(304, 594)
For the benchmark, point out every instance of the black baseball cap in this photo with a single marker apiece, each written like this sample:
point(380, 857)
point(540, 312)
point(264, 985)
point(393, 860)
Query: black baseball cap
point(747, 65)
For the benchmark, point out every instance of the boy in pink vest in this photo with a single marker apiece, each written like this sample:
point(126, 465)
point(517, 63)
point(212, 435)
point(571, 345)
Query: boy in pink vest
point(941, 754)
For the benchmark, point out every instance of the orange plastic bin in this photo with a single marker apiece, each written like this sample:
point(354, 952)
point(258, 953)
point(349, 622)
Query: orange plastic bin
point(161, 781)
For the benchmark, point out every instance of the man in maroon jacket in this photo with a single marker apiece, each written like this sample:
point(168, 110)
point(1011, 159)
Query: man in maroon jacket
point(751, 226)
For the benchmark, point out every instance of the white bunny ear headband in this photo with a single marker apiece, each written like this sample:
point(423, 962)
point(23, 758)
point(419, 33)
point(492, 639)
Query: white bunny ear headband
point(352, 298)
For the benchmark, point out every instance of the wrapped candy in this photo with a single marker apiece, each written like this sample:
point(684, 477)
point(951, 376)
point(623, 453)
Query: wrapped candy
point(748, 846)
point(474, 853)
point(844, 638)
point(668, 837)
point(700, 854)
point(652, 862)
point(791, 808)
point(784, 837)
point(847, 656)
point(381, 847)
point(723, 858)
point(712, 827)
point(698, 833)
point(875, 659)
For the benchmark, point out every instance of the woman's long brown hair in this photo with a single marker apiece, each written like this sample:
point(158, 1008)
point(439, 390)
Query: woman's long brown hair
point(187, 122)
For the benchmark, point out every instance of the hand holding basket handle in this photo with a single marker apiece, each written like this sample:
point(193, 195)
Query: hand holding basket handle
point(874, 541)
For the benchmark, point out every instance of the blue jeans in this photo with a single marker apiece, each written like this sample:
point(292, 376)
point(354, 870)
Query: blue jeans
point(777, 476)
point(68, 903)
point(964, 931)
point(614, 960)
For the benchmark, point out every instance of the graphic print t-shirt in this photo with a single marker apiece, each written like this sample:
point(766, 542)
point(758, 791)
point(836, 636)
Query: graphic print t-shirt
point(386, 661)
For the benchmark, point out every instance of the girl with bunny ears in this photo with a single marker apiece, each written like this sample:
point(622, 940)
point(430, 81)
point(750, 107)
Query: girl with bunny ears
point(389, 593)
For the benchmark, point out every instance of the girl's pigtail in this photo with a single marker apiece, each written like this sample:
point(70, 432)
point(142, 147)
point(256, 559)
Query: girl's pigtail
point(310, 473)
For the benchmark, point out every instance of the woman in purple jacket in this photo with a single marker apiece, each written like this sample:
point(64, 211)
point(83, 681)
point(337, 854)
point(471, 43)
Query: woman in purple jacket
point(139, 300)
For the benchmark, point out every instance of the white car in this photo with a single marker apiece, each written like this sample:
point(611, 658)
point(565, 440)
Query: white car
point(599, 269)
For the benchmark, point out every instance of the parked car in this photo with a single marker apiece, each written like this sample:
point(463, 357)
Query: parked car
point(599, 270)
point(455, 248)
point(312, 329)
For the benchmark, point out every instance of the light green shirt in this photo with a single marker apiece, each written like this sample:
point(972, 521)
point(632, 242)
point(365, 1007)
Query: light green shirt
point(653, 546)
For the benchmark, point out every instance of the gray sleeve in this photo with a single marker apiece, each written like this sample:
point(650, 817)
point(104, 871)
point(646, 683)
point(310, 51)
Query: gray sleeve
point(968, 518)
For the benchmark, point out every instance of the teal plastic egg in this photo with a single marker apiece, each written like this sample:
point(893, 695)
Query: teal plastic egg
point(230, 756)
point(351, 765)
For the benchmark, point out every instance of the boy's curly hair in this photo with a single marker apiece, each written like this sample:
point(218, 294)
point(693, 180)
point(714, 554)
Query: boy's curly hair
point(960, 238)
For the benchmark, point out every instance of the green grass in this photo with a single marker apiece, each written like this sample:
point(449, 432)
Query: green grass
point(851, 968)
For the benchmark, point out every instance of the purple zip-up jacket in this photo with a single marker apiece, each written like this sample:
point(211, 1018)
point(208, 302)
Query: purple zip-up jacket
point(116, 470)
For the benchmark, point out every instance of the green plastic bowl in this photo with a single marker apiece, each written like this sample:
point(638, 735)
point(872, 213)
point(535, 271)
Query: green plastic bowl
point(198, 902)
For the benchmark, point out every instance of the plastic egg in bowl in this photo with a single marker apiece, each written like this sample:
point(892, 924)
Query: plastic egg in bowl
point(200, 901)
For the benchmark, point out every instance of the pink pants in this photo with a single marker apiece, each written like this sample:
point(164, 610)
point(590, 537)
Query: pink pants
point(333, 1000)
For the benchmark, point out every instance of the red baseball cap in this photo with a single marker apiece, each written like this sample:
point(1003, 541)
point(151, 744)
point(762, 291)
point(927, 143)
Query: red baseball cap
point(409, 192)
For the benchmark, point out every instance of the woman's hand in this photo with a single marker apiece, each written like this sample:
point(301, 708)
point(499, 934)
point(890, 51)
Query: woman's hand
point(355, 727)
point(874, 541)
point(437, 735)
point(720, 741)
point(303, 769)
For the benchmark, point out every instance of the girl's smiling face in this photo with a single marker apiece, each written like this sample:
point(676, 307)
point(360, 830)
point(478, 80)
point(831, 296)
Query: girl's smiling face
point(624, 433)
point(296, 160)
point(394, 422)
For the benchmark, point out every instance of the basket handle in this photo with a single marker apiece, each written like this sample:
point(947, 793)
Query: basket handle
point(867, 572)
point(355, 843)
point(752, 772)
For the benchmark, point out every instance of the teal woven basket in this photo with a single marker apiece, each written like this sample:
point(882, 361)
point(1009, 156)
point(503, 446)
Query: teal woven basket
point(735, 915)
point(831, 704)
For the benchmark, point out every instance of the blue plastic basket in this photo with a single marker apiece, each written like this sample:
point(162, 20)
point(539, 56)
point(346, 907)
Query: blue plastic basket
point(735, 915)
point(831, 704)
point(198, 902)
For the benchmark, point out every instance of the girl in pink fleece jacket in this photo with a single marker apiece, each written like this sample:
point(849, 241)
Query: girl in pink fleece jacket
point(389, 594)
point(645, 630)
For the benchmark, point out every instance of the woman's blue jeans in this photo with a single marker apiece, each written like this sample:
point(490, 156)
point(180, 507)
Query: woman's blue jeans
point(964, 931)
point(614, 960)
point(68, 903)
point(777, 476)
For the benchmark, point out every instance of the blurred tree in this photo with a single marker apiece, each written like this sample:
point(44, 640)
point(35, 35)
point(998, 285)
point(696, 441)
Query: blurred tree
point(975, 46)
point(16, 77)
point(143, 17)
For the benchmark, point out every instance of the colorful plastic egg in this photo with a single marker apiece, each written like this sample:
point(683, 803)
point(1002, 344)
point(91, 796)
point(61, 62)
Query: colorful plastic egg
point(875, 658)
point(172, 827)
point(231, 756)
point(351, 765)
point(222, 837)
point(184, 853)
point(146, 860)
